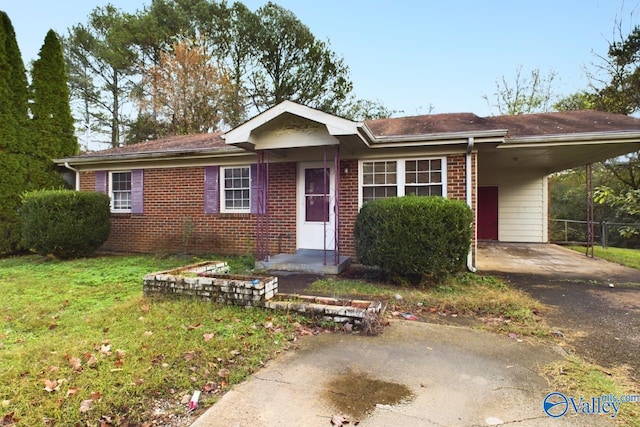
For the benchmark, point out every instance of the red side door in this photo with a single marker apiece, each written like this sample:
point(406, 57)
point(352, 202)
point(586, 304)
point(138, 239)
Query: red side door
point(488, 213)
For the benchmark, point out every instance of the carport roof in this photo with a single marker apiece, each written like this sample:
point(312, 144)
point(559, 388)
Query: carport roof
point(560, 123)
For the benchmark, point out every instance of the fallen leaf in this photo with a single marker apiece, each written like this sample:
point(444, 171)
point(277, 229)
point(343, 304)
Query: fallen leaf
point(148, 333)
point(139, 381)
point(208, 336)
point(339, 420)
point(145, 308)
point(51, 385)
point(192, 327)
point(71, 391)
point(209, 387)
point(85, 405)
point(185, 399)
point(223, 373)
point(119, 362)
point(188, 355)
point(105, 349)
point(6, 403)
point(52, 326)
point(54, 368)
point(235, 352)
point(96, 395)
point(8, 419)
point(75, 363)
point(120, 354)
point(92, 360)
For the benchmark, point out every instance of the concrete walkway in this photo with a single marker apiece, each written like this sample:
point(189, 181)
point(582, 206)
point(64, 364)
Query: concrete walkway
point(456, 377)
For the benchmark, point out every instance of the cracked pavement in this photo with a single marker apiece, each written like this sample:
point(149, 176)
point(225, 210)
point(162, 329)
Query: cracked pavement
point(457, 376)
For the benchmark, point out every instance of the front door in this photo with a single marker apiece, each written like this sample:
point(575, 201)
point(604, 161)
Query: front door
point(316, 202)
point(488, 213)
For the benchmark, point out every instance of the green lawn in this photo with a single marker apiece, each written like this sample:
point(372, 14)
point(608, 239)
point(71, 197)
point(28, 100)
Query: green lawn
point(78, 335)
point(628, 257)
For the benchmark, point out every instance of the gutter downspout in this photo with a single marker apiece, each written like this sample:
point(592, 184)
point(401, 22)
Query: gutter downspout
point(66, 165)
point(469, 182)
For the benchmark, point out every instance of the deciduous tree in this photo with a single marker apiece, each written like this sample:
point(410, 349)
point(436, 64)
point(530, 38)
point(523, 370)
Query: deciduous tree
point(186, 90)
point(291, 64)
point(525, 95)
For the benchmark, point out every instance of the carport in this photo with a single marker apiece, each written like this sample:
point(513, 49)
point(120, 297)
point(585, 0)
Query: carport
point(512, 179)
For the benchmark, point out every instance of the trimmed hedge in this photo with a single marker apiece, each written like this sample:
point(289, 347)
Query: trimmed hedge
point(64, 223)
point(414, 236)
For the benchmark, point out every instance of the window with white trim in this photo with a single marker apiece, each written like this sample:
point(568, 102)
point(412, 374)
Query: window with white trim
point(120, 187)
point(394, 178)
point(236, 189)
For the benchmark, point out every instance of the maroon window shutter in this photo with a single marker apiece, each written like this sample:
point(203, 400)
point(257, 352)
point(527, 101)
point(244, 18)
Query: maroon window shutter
point(211, 193)
point(258, 192)
point(137, 191)
point(101, 182)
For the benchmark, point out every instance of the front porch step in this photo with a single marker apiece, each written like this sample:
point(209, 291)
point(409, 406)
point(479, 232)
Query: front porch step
point(305, 261)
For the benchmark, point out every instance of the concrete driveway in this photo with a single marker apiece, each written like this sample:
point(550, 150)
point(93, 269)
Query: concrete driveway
point(599, 322)
point(550, 260)
point(454, 376)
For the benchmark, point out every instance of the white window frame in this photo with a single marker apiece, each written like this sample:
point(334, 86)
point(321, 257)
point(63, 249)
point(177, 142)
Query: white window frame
point(111, 192)
point(223, 188)
point(400, 174)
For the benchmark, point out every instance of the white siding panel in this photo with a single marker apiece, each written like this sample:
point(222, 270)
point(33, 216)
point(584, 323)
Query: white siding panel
point(522, 203)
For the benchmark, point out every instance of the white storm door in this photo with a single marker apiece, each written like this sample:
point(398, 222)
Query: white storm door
point(316, 203)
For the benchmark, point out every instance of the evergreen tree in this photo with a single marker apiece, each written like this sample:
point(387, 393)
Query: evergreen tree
point(13, 134)
point(52, 121)
point(18, 98)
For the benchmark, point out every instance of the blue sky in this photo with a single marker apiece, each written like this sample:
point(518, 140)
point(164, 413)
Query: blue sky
point(410, 54)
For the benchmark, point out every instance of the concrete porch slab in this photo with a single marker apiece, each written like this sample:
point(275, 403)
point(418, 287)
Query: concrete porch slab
point(307, 261)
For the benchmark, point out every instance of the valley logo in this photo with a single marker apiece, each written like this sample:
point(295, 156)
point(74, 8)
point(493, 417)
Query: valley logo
point(556, 404)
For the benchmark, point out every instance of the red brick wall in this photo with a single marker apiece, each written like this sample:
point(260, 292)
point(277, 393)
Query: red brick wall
point(457, 185)
point(456, 179)
point(282, 208)
point(174, 218)
point(348, 206)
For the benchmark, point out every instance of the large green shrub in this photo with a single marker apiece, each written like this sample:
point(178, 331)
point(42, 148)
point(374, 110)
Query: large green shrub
point(64, 223)
point(413, 236)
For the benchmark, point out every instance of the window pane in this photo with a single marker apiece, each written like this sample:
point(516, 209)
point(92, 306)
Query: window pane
point(410, 166)
point(313, 181)
point(237, 188)
point(317, 208)
point(391, 166)
point(436, 177)
point(436, 164)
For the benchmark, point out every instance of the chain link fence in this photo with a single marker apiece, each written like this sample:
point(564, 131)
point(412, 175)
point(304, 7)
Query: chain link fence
point(569, 231)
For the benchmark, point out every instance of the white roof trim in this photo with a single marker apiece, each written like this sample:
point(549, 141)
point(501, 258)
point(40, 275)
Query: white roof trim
point(335, 125)
point(572, 138)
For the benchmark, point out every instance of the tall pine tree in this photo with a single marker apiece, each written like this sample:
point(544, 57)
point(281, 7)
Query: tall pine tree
point(52, 121)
